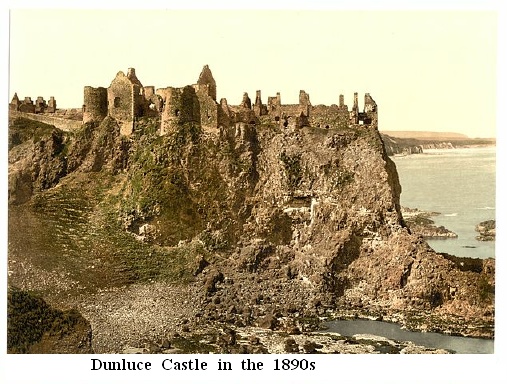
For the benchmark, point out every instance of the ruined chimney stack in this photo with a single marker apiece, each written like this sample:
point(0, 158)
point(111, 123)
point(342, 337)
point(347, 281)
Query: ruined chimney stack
point(258, 100)
point(258, 108)
point(51, 108)
point(246, 102)
point(131, 75)
point(206, 79)
point(355, 110)
point(304, 103)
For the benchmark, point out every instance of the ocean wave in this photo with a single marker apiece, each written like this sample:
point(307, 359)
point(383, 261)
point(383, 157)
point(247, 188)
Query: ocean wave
point(451, 214)
point(486, 208)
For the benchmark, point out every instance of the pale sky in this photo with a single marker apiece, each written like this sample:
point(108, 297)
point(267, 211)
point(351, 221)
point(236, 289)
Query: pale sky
point(427, 70)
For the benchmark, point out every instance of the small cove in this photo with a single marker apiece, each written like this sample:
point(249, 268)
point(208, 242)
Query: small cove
point(458, 344)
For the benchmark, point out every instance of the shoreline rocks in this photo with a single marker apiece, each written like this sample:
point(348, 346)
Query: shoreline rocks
point(487, 230)
point(420, 223)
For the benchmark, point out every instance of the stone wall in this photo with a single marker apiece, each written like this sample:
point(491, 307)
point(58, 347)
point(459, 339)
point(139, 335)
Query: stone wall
point(225, 114)
point(322, 116)
point(275, 106)
point(291, 115)
point(370, 114)
point(304, 103)
point(149, 91)
point(208, 109)
point(63, 124)
point(70, 113)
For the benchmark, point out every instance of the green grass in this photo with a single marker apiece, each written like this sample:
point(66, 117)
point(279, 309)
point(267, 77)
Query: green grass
point(78, 234)
point(29, 317)
point(22, 129)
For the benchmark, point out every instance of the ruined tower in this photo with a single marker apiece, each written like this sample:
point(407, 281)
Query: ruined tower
point(225, 115)
point(259, 108)
point(304, 103)
point(369, 115)
point(51, 108)
point(40, 105)
point(194, 104)
point(94, 104)
point(206, 81)
point(181, 105)
point(125, 100)
point(206, 90)
point(15, 103)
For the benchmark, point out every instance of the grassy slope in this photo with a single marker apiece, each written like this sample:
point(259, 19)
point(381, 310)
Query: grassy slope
point(77, 240)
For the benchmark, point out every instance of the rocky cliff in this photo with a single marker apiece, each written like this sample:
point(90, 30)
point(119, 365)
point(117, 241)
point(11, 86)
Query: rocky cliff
point(265, 226)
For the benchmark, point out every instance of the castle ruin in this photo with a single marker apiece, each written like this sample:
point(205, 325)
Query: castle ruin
point(28, 106)
point(126, 100)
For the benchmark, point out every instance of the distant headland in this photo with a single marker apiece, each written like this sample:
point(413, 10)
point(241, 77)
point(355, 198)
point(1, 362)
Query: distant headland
point(410, 142)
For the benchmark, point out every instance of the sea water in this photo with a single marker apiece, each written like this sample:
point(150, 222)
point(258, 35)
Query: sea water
point(395, 332)
point(460, 185)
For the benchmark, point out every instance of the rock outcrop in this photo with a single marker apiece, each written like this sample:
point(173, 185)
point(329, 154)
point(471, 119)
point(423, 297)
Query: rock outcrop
point(268, 223)
point(487, 230)
point(420, 223)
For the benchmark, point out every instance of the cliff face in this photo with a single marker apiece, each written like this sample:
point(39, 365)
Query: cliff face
point(333, 190)
point(269, 221)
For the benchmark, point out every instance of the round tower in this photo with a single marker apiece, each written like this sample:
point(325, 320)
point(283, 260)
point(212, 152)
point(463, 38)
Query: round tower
point(95, 104)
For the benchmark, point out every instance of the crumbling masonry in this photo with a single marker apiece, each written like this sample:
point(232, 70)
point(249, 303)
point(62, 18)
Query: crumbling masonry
point(126, 100)
point(28, 106)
